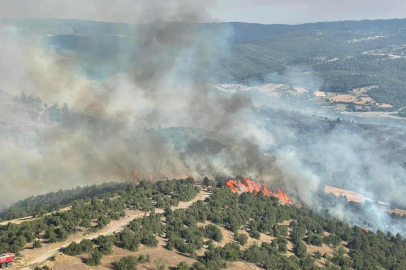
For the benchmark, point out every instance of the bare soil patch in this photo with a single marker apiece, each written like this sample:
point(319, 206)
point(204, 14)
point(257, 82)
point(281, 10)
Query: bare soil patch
point(355, 197)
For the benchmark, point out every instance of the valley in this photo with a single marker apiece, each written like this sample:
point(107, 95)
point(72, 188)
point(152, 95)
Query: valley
point(185, 143)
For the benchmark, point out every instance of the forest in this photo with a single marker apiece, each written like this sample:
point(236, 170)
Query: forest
point(100, 210)
point(243, 214)
point(342, 55)
point(54, 201)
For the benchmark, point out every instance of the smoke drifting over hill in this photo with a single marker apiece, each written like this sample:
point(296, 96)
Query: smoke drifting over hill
point(114, 129)
point(122, 124)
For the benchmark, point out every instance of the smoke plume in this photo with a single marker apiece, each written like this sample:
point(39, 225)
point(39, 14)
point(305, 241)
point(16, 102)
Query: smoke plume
point(159, 116)
point(119, 124)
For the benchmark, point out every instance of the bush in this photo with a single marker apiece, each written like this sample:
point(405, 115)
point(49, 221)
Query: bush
point(149, 240)
point(255, 234)
point(144, 259)
point(86, 246)
point(127, 263)
point(300, 249)
point(183, 266)
point(86, 223)
point(213, 232)
point(314, 240)
point(37, 244)
point(73, 249)
point(242, 239)
point(106, 248)
point(95, 258)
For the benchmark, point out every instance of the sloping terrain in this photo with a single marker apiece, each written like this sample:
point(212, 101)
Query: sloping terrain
point(226, 230)
point(38, 256)
point(344, 55)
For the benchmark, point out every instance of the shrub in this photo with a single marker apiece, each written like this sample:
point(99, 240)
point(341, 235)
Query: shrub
point(95, 258)
point(37, 244)
point(127, 263)
point(242, 239)
point(183, 266)
point(73, 249)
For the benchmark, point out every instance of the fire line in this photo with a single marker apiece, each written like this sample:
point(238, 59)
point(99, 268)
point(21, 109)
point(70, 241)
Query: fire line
point(253, 187)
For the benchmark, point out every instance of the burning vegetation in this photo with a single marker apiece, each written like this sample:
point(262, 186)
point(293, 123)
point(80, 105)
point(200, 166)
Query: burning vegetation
point(248, 185)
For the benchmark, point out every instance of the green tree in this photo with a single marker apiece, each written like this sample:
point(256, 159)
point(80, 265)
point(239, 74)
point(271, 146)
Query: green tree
point(95, 258)
point(183, 266)
point(106, 248)
point(242, 238)
point(73, 249)
point(86, 246)
point(127, 263)
point(37, 244)
point(300, 249)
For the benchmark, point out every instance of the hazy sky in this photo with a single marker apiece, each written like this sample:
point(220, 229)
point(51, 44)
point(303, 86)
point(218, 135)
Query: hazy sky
point(260, 11)
point(300, 11)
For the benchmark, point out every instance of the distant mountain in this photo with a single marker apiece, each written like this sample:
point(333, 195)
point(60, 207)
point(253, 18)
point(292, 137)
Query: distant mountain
point(345, 55)
point(243, 32)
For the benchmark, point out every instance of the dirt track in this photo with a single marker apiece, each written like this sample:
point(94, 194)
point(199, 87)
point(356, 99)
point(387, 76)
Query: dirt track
point(38, 256)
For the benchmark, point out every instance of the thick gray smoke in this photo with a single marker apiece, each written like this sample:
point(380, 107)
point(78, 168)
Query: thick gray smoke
point(312, 153)
point(118, 125)
point(349, 161)
point(160, 117)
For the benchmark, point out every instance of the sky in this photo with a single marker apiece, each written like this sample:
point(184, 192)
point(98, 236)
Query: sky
point(255, 11)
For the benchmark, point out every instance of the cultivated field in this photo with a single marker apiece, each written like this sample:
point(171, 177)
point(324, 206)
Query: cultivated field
point(355, 197)
point(358, 97)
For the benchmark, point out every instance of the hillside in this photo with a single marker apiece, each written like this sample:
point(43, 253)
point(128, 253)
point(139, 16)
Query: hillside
point(294, 134)
point(148, 225)
point(307, 135)
point(345, 55)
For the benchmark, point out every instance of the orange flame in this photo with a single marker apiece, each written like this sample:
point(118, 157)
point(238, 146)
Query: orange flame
point(252, 187)
point(136, 177)
point(232, 184)
point(366, 230)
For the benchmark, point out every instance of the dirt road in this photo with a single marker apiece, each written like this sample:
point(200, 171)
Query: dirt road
point(38, 256)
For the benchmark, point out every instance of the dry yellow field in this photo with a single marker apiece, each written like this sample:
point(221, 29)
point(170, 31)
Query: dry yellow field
point(355, 197)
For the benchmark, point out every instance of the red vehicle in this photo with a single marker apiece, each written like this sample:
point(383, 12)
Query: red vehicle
point(7, 260)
